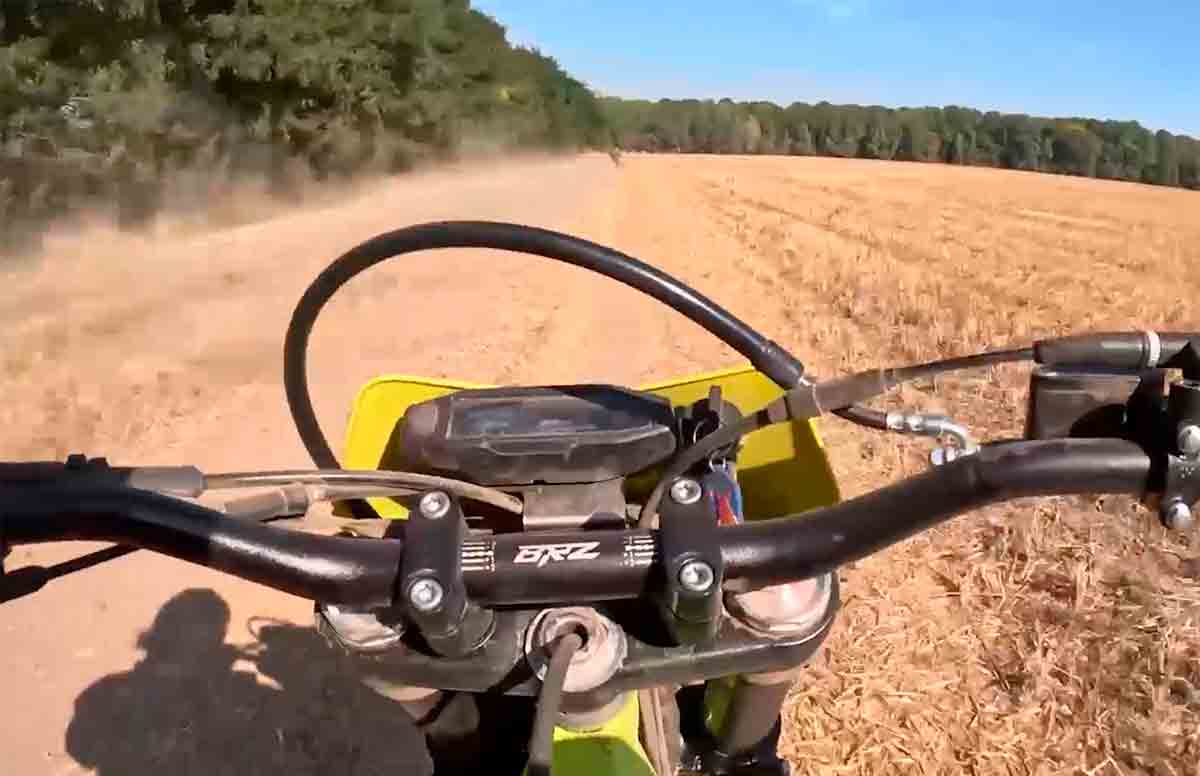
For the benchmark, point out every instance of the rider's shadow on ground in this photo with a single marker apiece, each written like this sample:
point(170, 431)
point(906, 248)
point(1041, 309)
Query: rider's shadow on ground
point(183, 709)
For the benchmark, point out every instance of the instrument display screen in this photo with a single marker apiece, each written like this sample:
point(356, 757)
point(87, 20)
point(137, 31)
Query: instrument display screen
point(548, 416)
point(553, 434)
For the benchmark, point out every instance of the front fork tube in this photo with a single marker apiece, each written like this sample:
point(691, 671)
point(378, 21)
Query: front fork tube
point(739, 712)
point(735, 723)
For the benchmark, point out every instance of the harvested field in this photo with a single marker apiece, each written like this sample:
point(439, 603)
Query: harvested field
point(1043, 637)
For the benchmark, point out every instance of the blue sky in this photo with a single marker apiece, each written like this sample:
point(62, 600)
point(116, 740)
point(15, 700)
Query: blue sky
point(1103, 59)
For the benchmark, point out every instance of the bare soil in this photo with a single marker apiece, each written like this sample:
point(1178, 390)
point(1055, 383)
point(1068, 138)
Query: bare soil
point(1054, 636)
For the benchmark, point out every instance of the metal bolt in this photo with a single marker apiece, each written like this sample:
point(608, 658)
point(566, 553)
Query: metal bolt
point(696, 576)
point(435, 504)
point(685, 491)
point(940, 456)
point(1177, 516)
point(1188, 440)
point(426, 594)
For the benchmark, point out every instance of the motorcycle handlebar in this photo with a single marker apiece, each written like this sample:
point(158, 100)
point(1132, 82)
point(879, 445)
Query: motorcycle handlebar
point(770, 551)
point(322, 568)
point(573, 567)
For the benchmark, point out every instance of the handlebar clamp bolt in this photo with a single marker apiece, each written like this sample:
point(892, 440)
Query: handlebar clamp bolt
point(426, 594)
point(1188, 441)
point(435, 505)
point(1177, 516)
point(686, 491)
point(696, 576)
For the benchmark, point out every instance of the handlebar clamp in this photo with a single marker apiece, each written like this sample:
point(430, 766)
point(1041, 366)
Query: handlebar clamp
point(1181, 488)
point(431, 578)
point(693, 566)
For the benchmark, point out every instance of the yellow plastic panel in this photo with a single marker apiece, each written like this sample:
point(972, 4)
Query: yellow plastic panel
point(370, 443)
point(782, 469)
point(612, 750)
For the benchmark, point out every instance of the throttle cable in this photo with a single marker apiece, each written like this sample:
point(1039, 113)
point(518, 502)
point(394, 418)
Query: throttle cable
point(369, 481)
point(541, 740)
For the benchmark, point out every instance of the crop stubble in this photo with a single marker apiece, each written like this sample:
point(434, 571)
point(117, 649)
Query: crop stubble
point(1050, 636)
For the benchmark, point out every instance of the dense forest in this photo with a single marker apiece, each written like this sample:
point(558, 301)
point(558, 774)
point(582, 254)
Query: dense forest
point(1122, 150)
point(109, 101)
point(103, 100)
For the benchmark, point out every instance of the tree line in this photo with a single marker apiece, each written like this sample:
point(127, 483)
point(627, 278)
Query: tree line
point(109, 101)
point(1119, 150)
point(104, 100)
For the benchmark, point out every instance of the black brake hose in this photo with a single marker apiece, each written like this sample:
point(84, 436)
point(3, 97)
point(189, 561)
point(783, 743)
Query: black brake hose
point(541, 739)
point(864, 416)
point(976, 361)
point(877, 419)
point(765, 355)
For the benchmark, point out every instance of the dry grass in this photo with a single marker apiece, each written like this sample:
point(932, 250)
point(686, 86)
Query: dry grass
point(1051, 636)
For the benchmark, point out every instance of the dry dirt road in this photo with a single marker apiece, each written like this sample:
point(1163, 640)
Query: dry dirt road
point(1007, 644)
point(169, 351)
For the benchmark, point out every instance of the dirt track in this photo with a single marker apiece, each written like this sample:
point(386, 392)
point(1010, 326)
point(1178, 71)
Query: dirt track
point(168, 351)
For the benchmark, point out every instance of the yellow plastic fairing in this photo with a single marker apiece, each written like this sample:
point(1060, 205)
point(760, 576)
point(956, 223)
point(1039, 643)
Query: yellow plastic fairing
point(782, 469)
point(614, 749)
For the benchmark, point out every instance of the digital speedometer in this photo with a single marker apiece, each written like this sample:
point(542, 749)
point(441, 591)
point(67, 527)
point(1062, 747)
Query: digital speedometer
point(517, 436)
point(505, 416)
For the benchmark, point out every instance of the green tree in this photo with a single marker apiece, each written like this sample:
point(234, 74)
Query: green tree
point(914, 137)
point(1110, 149)
point(1189, 162)
point(802, 143)
point(1076, 150)
point(1022, 143)
point(874, 144)
point(958, 150)
point(103, 98)
point(750, 135)
point(1167, 170)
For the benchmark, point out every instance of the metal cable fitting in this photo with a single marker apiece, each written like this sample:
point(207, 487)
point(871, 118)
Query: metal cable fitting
point(935, 426)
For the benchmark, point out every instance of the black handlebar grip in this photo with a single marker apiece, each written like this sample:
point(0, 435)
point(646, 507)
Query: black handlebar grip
point(81, 472)
point(334, 569)
point(1116, 350)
